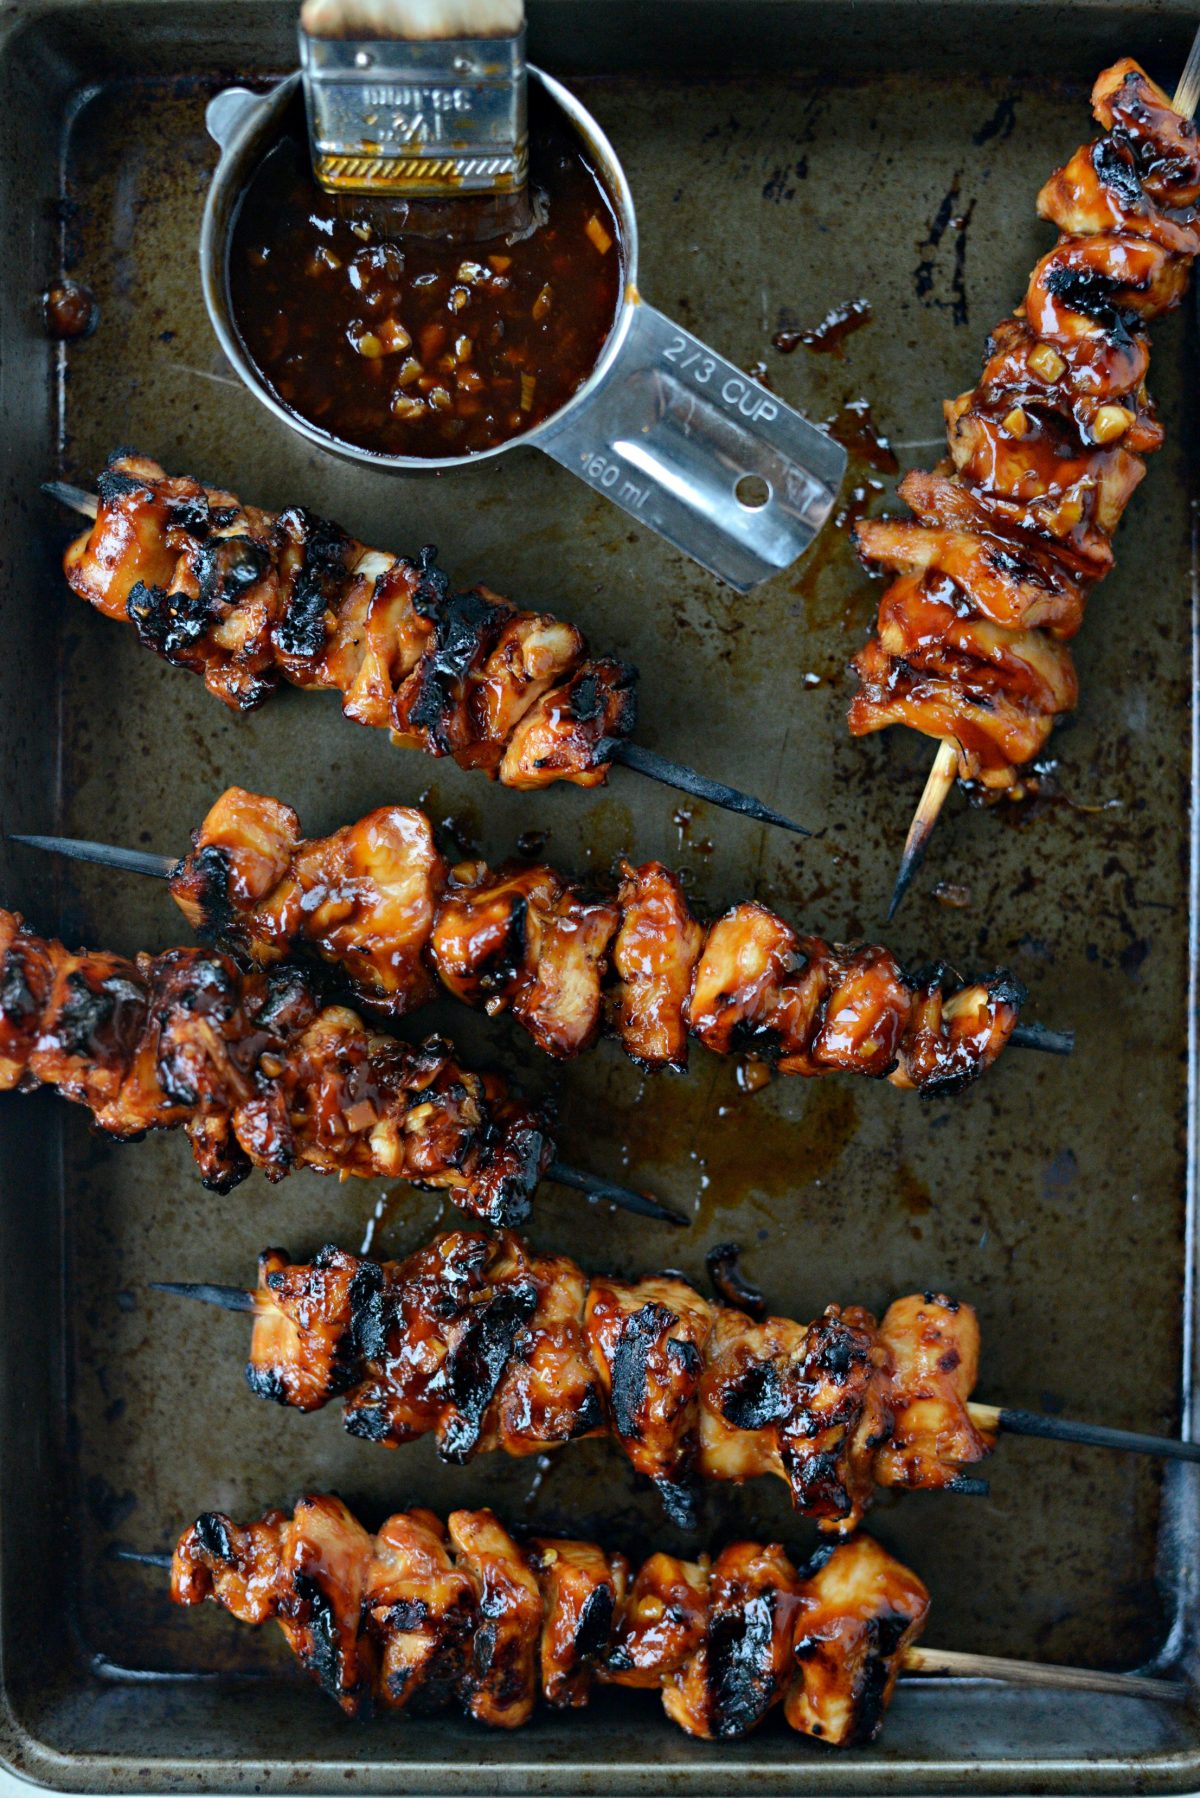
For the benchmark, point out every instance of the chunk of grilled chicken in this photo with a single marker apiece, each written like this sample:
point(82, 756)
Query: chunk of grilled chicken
point(1044, 455)
point(490, 1345)
point(426, 1614)
point(376, 901)
point(257, 1072)
point(247, 599)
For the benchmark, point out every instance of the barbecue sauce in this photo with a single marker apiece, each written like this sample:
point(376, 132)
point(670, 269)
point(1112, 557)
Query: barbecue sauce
point(421, 347)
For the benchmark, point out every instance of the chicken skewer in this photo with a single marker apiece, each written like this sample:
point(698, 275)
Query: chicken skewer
point(257, 1072)
point(248, 598)
point(489, 1344)
point(427, 1614)
point(378, 902)
point(1011, 534)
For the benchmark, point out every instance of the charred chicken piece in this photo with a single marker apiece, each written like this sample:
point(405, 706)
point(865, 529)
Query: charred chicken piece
point(490, 1345)
point(426, 1615)
point(248, 599)
point(858, 1611)
point(258, 1073)
point(1044, 455)
point(376, 901)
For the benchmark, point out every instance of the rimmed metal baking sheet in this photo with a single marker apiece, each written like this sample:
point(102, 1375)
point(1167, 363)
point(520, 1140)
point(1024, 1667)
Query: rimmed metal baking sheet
point(784, 158)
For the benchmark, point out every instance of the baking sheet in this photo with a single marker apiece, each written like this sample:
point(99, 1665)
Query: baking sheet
point(1053, 1195)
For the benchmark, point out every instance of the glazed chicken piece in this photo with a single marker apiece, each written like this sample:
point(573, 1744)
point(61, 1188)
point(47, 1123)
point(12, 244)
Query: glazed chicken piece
point(426, 1615)
point(647, 1343)
point(487, 1344)
point(421, 1609)
point(236, 1565)
point(759, 988)
point(742, 1667)
point(932, 1344)
point(530, 944)
point(500, 1683)
point(660, 1627)
point(583, 1592)
point(376, 902)
point(258, 1073)
point(654, 958)
point(363, 899)
point(571, 732)
point(475, 1338)
point(806, 1404)
point(858, 1611)
point(1044, 456)
point(1018, 587)
point(248, 599)
point(951, 1031)
point(308, 1571)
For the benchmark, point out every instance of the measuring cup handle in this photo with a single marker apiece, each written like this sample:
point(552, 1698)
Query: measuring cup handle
point(226, 111)
point(693, 447)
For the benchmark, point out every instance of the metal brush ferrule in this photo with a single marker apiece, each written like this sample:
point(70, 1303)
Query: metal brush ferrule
point(417, 120)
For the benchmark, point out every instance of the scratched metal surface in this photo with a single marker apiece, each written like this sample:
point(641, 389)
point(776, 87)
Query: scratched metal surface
point(1052, 1195)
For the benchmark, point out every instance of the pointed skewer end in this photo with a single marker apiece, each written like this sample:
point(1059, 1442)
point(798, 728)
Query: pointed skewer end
point(77, 498)
point(1037, 1036)
point(942, 777)
point(225, 1298)
point(141, 1556)
point(133, 861)
point(686, 780)
point(600, 1189)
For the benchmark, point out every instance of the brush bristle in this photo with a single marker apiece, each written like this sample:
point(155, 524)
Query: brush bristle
point(422, 21)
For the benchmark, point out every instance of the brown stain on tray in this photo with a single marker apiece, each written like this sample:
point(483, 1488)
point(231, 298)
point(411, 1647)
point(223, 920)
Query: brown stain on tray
point(721, 1145)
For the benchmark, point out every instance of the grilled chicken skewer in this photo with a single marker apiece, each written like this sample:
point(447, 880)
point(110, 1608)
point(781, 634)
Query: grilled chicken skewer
point(378, 902)
point(257, 1072)
point(248, 599)
point(426, 1614)
point(1014, 530)
point(491, 1345)
point(988, 1420)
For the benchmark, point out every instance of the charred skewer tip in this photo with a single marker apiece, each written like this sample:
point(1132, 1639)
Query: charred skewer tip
point(941, 779)
point(1088, 1435)
point(108, 855)
point(686, 780)
point(143, 1557)
point(1048, 1042)
point(225, 1298)
point(77, 498)
point(598, 1190)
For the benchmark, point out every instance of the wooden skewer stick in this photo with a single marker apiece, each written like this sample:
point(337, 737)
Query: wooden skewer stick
point(224, 1298)
point(946, 1662)
point(941, 776)
point(161, 867)
point(1089, 1435)
point(937, 788)
point(631, 755)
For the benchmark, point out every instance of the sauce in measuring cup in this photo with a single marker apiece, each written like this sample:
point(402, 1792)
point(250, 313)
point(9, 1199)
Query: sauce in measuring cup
point(417, 347)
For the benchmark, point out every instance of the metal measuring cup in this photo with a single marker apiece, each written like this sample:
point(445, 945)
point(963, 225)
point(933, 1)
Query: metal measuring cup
point(666, 428)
